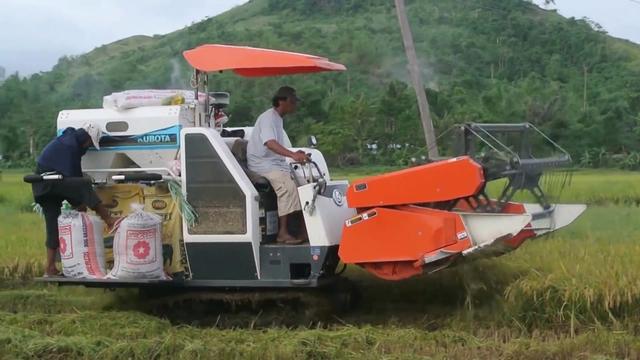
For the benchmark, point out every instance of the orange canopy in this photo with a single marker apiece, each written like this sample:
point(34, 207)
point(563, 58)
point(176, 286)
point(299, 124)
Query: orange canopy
point(254, 62)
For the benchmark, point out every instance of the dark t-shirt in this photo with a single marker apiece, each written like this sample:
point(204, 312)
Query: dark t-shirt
point(64, 153)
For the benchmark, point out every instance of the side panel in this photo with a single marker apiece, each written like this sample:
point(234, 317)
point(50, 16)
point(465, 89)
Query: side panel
point(440, 181)
point(402, 234)
point(223, 196)
point(222, 261)
point(299, 262)
point(212, 190)
point(325, 218)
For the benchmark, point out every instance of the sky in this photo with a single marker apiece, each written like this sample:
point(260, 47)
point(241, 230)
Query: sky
point(620, 18)
point(34, 34)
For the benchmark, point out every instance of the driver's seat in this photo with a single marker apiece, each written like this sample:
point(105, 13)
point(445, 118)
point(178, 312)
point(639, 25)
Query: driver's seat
point(239, 151)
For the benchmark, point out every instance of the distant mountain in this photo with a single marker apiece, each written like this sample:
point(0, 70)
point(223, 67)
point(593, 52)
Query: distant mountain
point(482, 60)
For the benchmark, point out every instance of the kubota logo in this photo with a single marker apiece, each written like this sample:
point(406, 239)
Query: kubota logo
point(150, 139)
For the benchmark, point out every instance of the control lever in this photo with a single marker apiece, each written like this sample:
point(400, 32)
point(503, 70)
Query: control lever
point(310, 177)
point(318, 188)
point(309, 165)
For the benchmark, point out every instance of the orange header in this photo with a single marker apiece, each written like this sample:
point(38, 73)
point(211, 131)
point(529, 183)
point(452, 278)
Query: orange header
point(254, 62)
point(439, 181)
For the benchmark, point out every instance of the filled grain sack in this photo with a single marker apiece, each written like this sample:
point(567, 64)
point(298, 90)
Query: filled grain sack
point(81, 245)
point(137, 247)
point(130, 99)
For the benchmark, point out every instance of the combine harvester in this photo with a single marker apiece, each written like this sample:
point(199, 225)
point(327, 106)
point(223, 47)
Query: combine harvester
point(396, 225)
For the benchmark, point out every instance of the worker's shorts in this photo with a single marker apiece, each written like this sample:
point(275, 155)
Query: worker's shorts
point(287, 191)
point(49, 195)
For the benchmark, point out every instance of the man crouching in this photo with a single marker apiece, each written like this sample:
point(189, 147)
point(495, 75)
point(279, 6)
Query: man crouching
point(63, 156)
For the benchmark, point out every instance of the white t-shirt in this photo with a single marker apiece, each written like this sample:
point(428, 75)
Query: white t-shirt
point(259, 158)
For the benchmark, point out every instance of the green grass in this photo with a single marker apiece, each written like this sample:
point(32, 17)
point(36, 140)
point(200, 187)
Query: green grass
point(574, 294)
point(21, 231)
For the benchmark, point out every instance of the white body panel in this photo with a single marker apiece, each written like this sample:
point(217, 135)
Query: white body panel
point(488, 231)
point(252, 235)
point(325, 217)
point(482, 227)
point(561, 215)
point(145, 137)
point(140, 120)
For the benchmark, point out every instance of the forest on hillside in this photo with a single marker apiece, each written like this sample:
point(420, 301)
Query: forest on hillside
point(482, 61)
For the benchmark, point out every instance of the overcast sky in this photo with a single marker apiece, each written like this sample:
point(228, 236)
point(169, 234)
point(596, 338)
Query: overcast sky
point(35, 33)
point(620, 18)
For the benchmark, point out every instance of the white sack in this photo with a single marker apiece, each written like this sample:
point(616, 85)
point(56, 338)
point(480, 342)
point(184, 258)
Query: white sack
point(138, 98)
point(81, 245)
point(137, 247)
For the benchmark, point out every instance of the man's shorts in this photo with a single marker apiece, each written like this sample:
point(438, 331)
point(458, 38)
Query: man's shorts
point(287, 191)
point(76, 194)
point(50, 194)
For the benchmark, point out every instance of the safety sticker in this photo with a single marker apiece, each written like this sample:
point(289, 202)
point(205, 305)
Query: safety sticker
point(315, 253)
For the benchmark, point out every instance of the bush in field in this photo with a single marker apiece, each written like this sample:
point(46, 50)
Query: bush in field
point(600, 158)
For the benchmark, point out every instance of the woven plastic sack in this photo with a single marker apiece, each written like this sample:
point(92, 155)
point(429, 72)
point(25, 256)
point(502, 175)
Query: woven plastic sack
point(139, 98)
point(81, 245)
point(137, 247)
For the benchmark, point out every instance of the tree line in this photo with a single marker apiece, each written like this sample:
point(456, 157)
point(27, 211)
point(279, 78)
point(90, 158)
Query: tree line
point(482, 61)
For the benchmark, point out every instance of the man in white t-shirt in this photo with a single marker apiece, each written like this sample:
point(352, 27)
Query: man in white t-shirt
point(266, 153)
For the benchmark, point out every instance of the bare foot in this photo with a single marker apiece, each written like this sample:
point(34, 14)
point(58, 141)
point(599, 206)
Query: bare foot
point(288, 240)
point(52, 272)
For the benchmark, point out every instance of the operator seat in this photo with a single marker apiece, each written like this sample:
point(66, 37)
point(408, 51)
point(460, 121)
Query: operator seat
point(239, 151)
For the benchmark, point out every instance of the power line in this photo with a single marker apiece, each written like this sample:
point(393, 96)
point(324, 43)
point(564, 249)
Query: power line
point(635, 1)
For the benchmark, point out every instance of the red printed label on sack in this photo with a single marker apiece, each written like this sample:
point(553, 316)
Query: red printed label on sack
point(139, 249)
point(66, 245)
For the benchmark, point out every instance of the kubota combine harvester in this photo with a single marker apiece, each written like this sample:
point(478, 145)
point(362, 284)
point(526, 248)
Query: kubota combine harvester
point(395, 225)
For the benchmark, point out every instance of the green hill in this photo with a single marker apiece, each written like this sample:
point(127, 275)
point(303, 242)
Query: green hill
point(483, 60)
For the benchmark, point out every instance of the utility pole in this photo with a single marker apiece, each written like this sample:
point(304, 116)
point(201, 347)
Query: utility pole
point(416, 79)
point(584, 93)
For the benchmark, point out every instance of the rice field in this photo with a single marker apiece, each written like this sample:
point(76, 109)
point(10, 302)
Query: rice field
point(574, 294)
